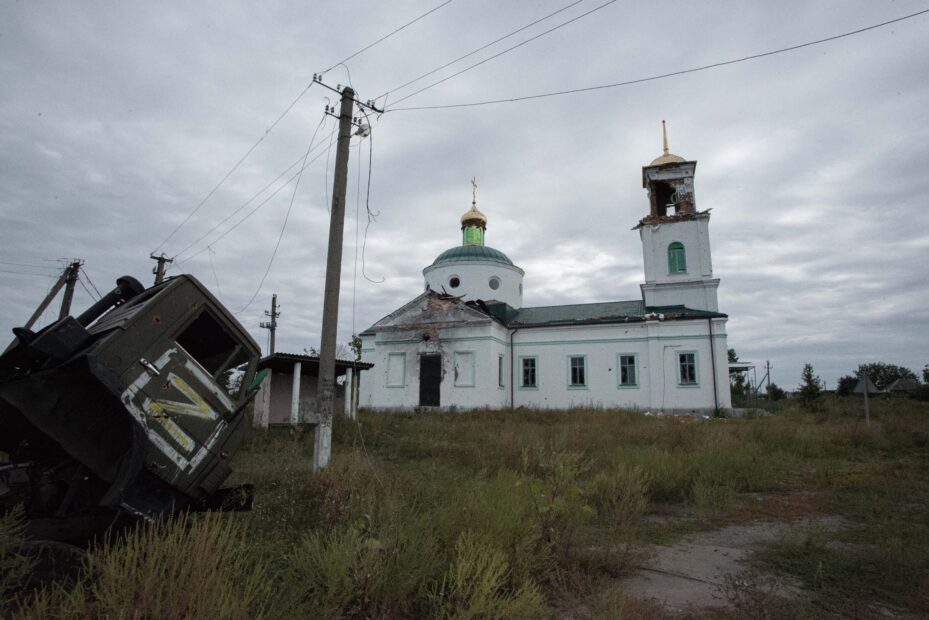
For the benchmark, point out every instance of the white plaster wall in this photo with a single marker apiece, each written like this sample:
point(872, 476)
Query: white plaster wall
point(700, 295)
point(486, 342)
point(655, 344)
point(475, 277)
point(694, 234)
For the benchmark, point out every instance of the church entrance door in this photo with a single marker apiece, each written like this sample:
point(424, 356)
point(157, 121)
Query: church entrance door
point(430, 376)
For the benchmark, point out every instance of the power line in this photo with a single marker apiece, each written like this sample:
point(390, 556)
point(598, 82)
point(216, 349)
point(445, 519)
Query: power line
point(666, 75)
point(87, 290)
point(286, 218)
point(507, 50)
point(386, 36)
point(239, 208)
point(235, 167)
point(278, 120)
point(253, 211)
point(6, 262)
point(372, 217)
point(481, 48)
point(24, 273)
point(91, 282)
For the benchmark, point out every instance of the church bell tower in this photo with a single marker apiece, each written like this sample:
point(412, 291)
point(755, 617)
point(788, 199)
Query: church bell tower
point(675, 237)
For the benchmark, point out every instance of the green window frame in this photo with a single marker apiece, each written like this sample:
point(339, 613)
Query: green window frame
point(627, 370)
point(687, 368)
point(529, 372)
point(677, 260)
point(577, 371)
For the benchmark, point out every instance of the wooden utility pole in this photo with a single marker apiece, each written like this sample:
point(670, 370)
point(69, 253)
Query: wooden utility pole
point(159, 270)
point(326, 387)
point(271, 325)
point(45, 303)
point(70, 276)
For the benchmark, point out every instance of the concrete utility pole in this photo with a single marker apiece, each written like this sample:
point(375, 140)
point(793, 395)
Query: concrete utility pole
point(70, 276)
point(326, 387)
point(159, 270)
point(271, 325)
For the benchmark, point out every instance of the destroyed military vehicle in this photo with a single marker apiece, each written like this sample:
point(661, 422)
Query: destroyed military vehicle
point(129, 410)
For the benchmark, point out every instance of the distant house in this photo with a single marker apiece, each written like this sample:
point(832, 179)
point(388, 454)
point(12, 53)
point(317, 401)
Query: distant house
point(902, 386)
point(278, 404)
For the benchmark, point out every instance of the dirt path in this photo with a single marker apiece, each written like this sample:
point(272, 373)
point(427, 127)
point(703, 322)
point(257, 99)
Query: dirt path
point(693, 573)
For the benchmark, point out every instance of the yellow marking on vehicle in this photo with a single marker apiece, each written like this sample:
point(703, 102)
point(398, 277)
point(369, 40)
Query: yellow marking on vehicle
point(182, 438)
point(197, 407)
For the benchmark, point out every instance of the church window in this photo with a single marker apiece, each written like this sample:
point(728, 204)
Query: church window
point(464, 369)
point(500, 371)
point(687, 363)
point(396, 369)
point(627, 370)
point(494, 283)
point(454, 282)
point(520, 289)
point(676, 260)
point(529, 367)
point(577, 369)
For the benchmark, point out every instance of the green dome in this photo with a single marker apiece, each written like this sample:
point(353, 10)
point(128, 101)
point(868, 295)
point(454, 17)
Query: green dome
point(464, 253)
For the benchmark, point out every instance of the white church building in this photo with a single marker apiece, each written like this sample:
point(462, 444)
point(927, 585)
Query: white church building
point(468, 342)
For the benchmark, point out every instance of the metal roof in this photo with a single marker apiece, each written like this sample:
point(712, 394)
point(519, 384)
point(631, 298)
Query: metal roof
point(467, 253)
point(309, 364)
point(603, 312)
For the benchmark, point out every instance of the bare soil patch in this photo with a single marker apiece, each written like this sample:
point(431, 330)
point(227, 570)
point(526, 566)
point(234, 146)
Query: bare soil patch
point(699, 571)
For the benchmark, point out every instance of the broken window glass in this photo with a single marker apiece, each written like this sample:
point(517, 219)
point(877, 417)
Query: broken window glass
point(207, 342)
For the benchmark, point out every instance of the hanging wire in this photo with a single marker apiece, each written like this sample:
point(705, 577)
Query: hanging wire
point(286, 218)
point(255, 210)
point(372, 217)
point(219, 289)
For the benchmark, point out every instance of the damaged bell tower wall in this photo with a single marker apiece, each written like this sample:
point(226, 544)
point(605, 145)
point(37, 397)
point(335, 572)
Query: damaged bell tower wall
point(676, 238)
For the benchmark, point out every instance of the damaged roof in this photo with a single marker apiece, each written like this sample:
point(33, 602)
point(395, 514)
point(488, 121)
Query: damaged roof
point(603, 312)
point(572, 314)
point(435, 308)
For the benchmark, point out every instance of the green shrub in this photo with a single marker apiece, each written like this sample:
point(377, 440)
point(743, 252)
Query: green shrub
point(14, 566)
point(477, 585)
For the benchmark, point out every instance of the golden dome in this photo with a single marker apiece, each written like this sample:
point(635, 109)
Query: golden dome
point(666, 157)
point(473, 215)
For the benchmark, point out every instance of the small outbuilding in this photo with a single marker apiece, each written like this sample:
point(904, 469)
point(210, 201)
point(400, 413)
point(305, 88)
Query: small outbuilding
point(288, 394)
point(903, 385)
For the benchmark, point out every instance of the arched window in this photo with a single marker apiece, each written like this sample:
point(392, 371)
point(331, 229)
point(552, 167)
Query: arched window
point(676, 260)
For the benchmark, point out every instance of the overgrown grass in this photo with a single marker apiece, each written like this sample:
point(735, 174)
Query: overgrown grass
point(518, 513)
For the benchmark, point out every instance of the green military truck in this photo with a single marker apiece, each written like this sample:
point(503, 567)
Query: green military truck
point(130, 410)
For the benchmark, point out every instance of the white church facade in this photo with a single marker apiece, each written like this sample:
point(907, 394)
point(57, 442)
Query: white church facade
point(468, 342)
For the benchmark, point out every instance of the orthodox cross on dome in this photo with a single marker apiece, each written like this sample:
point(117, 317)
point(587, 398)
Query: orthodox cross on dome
point(474, 190)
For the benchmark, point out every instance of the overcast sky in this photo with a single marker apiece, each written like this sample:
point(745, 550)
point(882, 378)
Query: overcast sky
point(118, 118)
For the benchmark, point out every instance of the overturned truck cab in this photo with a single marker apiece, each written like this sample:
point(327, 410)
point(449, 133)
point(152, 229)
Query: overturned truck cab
point(131, 409)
